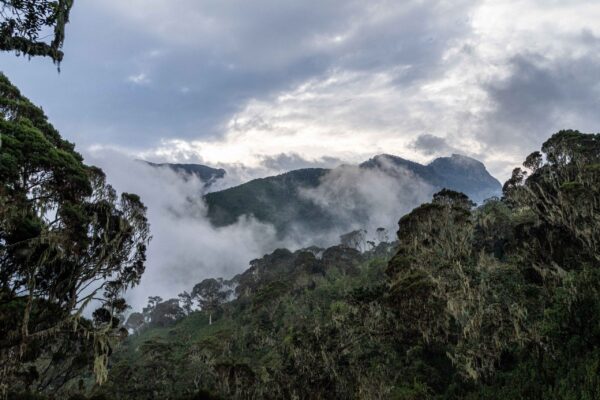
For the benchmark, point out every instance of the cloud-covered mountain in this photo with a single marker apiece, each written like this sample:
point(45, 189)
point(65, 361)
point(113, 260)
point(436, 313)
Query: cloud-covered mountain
point(205, 173)
point(275, 199)
point(197, 234)
point(457, 172)
point(320, 201)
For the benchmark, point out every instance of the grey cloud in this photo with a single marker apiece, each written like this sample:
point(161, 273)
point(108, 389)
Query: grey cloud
point(430, 145)
point(246, 50)
point(540, 97)
point(413, 34)
point(291, 161)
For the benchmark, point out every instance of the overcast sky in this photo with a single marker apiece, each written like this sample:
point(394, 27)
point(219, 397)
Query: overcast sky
point(290, 83)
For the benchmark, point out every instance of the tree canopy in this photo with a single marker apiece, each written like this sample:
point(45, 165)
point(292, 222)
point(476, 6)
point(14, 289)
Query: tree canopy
point(68, 242)
point(25, 24)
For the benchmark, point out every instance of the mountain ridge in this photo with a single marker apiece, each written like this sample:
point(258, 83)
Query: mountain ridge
point(203, 172)
point(280, 200)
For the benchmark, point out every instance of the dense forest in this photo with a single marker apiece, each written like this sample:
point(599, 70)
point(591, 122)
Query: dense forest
point(491, 302)
point(499, 300)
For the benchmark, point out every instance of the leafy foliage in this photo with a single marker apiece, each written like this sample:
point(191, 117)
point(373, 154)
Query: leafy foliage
point(66, 241)
point(512, 285)
point(24, 23)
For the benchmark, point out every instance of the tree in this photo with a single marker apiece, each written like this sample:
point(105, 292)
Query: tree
point(166, 313)
point(152, 303)
point(561, 195)
point(517, 278)
point(449, 292)
point(210, 294)
point(186, 302)
point(24, 25)
point(67, 241)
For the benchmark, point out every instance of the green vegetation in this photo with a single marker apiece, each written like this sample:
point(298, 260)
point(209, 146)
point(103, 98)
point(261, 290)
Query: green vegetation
point(267, 343)
point(500, 301)
point(494, 302)
point(24, 26)
point(67, 243)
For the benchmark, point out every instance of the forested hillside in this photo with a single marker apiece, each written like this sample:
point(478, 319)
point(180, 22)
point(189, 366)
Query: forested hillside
point(491, 302)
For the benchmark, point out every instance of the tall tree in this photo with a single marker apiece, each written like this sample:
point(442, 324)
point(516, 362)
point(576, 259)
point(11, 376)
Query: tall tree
point(166, 313)
point(210, 294)
point(186, 302)
point(67, 242)
point(152, 303)
point(453, 294)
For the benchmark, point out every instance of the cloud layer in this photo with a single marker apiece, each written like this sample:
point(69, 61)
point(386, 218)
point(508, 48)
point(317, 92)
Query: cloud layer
point(186, 248)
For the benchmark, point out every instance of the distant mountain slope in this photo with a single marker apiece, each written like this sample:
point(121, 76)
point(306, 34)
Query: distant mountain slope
point(466, 175)
point(457, 172)
point(274, 199)
point(281, 200)
point(206, 174)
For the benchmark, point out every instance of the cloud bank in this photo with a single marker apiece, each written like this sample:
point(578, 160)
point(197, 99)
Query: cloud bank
point(185, 248)
point(361, 198)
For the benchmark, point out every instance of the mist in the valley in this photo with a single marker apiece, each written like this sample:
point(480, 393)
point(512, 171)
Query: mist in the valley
point(185, 247)
point(369, 198)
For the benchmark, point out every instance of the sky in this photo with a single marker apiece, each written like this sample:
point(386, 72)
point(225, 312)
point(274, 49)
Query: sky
point(286, 84)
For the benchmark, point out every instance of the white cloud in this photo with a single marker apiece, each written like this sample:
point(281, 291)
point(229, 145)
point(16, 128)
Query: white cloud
point(350, 116)
point(362, 198)
point(139, 79)
point(185, 247)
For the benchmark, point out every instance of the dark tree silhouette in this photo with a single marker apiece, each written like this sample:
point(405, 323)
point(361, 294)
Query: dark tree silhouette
point(24, 24)
point(66, 241)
